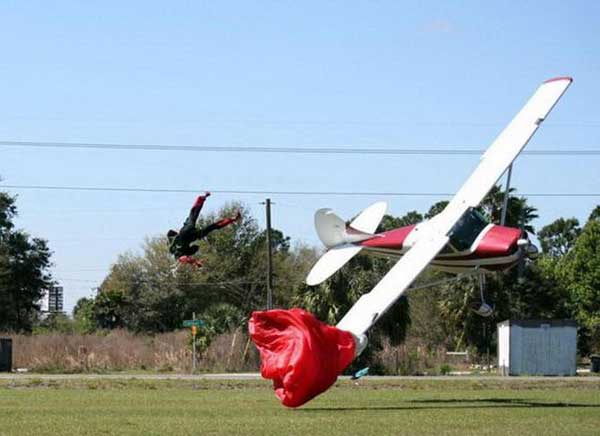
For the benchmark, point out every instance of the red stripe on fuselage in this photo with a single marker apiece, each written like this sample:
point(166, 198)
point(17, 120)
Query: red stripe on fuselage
point(499, 241)
point(392, 239)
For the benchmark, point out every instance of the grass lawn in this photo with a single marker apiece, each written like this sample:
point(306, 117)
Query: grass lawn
point(371, 407)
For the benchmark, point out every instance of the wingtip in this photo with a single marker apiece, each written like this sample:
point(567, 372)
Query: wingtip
point(556, 79)
point(311, 281)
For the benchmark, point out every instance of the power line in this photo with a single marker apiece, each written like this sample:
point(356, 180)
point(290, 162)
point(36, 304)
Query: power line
point(264, 192)
point(446, 150)
point(294, 122)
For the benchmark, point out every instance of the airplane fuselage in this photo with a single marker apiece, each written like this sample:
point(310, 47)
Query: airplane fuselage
point(473, 243)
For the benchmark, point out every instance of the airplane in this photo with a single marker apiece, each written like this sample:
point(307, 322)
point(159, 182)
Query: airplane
point(474, 242)
point(457, 240)
point(304, 356)
point(476, 246)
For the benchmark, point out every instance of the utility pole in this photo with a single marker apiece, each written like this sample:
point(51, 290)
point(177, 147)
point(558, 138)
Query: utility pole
point(269, 257)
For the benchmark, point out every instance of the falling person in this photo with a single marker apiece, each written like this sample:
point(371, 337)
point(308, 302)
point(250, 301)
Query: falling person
point(183, 244)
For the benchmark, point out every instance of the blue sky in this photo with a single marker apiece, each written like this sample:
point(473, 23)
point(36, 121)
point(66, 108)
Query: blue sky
point(337, 74)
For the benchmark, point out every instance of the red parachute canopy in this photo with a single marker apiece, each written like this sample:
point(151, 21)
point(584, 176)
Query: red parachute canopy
point(302, 355)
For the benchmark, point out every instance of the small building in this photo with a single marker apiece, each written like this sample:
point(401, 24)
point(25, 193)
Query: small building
point(537, 347)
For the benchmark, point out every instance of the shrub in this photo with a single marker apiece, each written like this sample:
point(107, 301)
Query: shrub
point(120, 350)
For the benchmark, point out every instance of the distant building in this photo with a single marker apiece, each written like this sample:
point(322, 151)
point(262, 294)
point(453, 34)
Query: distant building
point(52, 300)
point(537, 347)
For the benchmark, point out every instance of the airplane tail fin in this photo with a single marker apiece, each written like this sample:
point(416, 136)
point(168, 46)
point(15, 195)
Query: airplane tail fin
point(332, 230)
point(341, 239)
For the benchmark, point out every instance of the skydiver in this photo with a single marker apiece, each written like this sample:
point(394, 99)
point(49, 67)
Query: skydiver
point(183, 244)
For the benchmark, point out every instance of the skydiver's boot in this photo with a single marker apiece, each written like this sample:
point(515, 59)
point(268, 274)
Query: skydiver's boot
point(190, 261)
point(200, 200)
point(224, 222)
point(195, 210)
point(228, 221)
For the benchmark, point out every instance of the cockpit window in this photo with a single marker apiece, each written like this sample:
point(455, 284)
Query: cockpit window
point(466, 230)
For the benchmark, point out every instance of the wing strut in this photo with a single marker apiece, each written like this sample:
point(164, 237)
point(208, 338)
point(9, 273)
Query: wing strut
point(506, 195)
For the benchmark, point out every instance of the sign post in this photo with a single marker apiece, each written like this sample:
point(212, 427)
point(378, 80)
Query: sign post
point(193, 324)
point(194, 343)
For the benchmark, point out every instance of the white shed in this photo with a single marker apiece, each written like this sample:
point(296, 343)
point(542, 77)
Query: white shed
point(537, 347)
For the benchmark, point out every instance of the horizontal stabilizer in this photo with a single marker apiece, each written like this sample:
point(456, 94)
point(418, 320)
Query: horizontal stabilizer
point(368, 220)
point(330, 262)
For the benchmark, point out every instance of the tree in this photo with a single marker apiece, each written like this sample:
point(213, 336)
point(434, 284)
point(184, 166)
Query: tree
point(580, 274)
point(150, 292)
point(595, 215)
point(56, 322)
point(110, 307)
point(389, 222)
point(224, 317)
point(436, 209)
point(558, 237)
point(8, 210)
point(426, 326)
point(83, 315)
point(518, 212)
point(24, 275)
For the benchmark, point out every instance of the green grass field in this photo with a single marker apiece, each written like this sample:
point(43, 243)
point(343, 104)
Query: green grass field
point(372, 407)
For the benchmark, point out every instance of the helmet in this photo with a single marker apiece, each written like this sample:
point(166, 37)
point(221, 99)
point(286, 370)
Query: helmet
point(171, 235)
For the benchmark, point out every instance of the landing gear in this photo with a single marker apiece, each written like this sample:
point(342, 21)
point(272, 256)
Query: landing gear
point(482, 309)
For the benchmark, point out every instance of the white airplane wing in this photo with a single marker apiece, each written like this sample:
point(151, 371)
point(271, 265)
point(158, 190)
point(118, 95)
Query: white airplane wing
point(371, 306)
point(504, 150)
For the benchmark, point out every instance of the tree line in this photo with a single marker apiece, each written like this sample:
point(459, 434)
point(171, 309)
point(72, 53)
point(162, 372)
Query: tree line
point(24, 271)
point(147, 292)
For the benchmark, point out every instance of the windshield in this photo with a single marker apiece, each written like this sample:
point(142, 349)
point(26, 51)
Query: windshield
point(466, 230)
